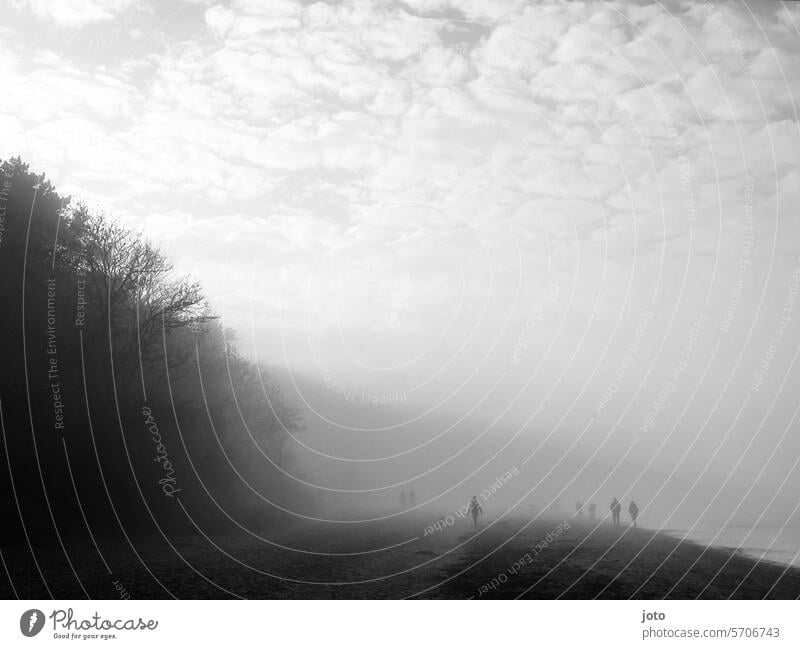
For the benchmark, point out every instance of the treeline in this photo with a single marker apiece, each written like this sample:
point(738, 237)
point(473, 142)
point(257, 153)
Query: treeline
point(125, 405)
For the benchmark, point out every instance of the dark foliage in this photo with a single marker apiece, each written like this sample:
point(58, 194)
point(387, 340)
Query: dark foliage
point(125, 405)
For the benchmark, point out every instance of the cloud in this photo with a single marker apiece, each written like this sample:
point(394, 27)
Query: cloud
point(317, 137)
point(75, 13)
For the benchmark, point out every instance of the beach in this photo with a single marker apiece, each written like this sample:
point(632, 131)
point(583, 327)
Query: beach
point(778, 543)
point(399, 558)
point(598, 561)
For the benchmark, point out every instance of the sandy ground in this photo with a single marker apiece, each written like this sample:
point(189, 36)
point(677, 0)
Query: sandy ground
point(396, 559)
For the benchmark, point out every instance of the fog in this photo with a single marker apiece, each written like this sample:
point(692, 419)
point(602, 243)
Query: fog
point(683, 405)
point(538, 253)
point(411, 298)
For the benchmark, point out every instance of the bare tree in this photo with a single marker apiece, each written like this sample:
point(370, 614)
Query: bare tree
point(134, 285)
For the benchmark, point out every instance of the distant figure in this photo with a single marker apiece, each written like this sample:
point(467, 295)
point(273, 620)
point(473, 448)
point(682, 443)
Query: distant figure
point(579, 508)
point(633, 510)
point(475, 509)
point(616, 509)
point(593, 512)
point(403, 499)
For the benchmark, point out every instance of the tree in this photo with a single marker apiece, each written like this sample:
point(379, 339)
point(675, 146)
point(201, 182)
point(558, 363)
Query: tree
point(133, 284)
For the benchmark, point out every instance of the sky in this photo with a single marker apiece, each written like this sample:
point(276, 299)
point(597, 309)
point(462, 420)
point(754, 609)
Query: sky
point(576, 221)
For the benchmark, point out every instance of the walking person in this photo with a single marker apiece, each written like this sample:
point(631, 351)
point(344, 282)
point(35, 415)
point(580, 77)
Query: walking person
point(593, 512)
point(633, 510)
point(475, 510)
point(616, 510)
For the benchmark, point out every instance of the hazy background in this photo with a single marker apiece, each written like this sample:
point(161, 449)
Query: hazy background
point(453, 227)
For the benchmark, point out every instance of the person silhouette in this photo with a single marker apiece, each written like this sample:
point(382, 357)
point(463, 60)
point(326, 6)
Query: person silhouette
point(403, 499)
point(412, 499)
point(616, 508)
point(475, 509)
point(633, 510)
point(579, 508)
point(593, 511)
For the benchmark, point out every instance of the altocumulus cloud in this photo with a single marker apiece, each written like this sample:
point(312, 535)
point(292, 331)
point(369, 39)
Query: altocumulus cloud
point(503, 145)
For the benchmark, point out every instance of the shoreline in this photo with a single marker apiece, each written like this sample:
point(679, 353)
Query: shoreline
point(757, 554)
point(618, 563)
